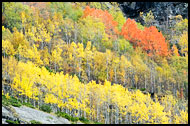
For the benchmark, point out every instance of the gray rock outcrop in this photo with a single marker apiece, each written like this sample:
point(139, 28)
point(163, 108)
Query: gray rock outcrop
point(25, 114)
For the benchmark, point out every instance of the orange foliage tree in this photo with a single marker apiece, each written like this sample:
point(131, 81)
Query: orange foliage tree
point(149, 39)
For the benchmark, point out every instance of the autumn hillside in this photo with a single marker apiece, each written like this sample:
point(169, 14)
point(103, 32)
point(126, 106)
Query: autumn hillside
point(86, 61)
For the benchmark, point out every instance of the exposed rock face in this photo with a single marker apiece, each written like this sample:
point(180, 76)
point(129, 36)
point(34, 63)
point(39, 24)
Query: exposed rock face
point(161, 10)
point(25, 114)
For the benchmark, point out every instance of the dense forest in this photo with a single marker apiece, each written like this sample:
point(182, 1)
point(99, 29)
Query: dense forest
point(87, 60)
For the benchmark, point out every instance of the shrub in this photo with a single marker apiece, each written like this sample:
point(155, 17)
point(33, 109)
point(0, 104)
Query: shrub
point(28, 104)
point(84, 120)
point(132, 88)
point(61, 114)
point(5, 101)
point(15, 102)
point(74, 119)
point(65, 115)
point(98, 123)
point(143, 89)
point(12, 101)
point(46, 108)
point(51, 71)
point(35, 122)
point(12, 122)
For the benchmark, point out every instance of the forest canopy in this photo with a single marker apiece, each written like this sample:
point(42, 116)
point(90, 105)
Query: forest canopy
point(86, 59)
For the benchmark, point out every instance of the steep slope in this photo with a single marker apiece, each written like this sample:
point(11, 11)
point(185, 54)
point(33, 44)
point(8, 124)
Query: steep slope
point(25, 114)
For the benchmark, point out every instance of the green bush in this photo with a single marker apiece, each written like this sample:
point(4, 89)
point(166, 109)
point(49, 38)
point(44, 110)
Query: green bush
point(132, 88)
point(84, 120)
point(12, 101)
point(28, 104)
point(15, 102)
point(98, 123)
point(50, 70)
point(74, 119)
point(35, 122)
point(143, 89)
point(46, 108)
point(5, 101)
point(12, 122)
point(65, 115)
point(60, 114)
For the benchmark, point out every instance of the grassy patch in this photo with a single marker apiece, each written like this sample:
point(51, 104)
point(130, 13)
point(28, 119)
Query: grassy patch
point(67, 116)
point(35, 122)
point(46, 108)
point(74, 119)
point(28, 104)
point(12, 122)
point(98, 123)
point(49, 117)
point(84, 120)
point(5, 101)
point(12, 101)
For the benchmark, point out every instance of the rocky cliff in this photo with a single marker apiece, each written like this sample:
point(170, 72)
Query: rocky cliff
point(161, 10)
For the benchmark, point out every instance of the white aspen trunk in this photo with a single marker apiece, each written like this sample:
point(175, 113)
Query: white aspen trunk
point(105, 113)
point(136, 83)
point(91, 106)
point(151, 81)
point(111, 116)
point(154, 84)
point(115, 75)
point(145, 81)
point(97, 111)
point(75, 64)
point(55, 66)
point(126, 119)
point(42, 45)
point(75, 32)
point(89, 71)
point(116, 114)
point(107, 66)
point(4, 54)
point(125, 77)
point(84, 114)
point(121, 119)
point(108, 113)
point(67, 39)
point(79, 66)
